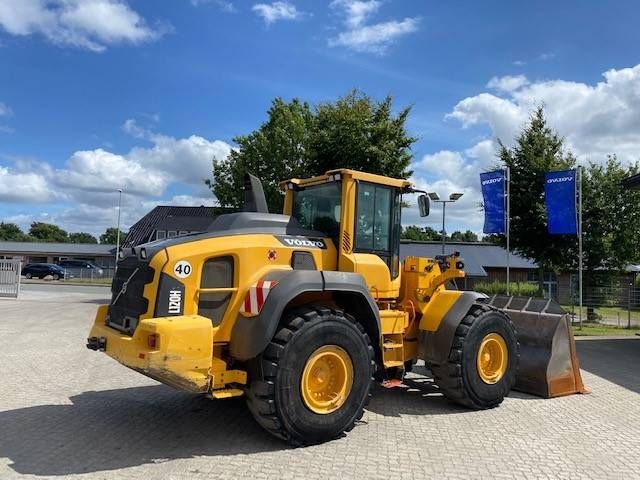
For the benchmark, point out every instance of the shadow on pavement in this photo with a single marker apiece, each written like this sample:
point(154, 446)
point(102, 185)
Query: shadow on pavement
point(417, 396)
point(115, 429)
point(614, 360)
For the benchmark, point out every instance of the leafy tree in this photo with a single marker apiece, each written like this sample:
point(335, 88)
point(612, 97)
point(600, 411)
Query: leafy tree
point(537, 150)
point(467, 236)
point(277, 150)
point(414, 232)
point(360, 133)
point(110, 236)
point(82, 237)
point(47, 232)
point(12, 232)
point(611, 217)
point(300, 141)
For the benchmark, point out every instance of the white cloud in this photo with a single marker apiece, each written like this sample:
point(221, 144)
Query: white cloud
point(508, 83)
point(355, 11)
point(372, 38)
point(595, 120)
point(276, 11)
point(223, 5)
point(88, 24)
point(5, 111)
point(133, 128)
point(83, 193)
point(18, 186)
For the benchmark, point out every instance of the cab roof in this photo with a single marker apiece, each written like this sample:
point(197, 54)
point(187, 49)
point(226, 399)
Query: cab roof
point(347, 173)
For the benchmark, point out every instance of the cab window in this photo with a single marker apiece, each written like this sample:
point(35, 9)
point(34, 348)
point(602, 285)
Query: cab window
point(378, 223)
point(318, 208)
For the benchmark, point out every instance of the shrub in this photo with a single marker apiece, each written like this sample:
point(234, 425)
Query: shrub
point(526, 289)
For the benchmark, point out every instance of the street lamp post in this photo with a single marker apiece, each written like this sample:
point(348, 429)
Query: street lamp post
point(118, 228)
point(436, 199)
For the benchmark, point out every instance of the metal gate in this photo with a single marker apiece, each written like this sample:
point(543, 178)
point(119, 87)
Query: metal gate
point(10, 278)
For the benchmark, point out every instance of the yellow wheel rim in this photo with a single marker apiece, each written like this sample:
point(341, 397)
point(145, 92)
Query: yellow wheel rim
point(492, 359)
point(327, 379)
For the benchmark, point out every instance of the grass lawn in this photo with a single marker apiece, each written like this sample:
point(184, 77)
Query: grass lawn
point(612, 314)
point(598, 329)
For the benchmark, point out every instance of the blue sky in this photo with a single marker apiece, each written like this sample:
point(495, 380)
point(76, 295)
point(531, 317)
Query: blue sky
point(101, 94)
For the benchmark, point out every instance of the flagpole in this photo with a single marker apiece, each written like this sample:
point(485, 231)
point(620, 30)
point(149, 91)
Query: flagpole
point(508, 220)
point(580, 240)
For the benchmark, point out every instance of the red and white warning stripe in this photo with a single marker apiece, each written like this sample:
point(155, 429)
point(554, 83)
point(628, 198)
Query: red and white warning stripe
point(256, 296)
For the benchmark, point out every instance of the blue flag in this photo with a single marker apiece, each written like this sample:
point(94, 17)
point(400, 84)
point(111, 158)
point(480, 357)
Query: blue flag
point(493, 190)
point(560, 198)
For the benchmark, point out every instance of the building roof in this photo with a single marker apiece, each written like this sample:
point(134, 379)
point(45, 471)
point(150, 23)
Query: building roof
point(168, 217)
point(35, 248)
point(632, 182)
point(476, 255)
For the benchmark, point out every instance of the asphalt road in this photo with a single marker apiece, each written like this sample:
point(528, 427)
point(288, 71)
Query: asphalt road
point(67, 412)
point(59, 288)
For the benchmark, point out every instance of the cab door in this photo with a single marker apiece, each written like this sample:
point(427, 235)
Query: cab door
point(376, 242)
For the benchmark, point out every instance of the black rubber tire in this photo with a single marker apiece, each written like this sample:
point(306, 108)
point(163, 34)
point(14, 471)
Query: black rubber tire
point(273, 394)
point(56, 277)
point(28, 276)
point(458, 379)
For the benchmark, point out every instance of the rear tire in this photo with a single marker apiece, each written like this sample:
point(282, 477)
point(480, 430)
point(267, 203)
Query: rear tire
point(275, 393)
point(27, 276)
point(460, 379)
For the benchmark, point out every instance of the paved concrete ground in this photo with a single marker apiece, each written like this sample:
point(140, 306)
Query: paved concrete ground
point(66, 412)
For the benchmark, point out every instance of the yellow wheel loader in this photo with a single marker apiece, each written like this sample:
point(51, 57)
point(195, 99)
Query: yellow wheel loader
point(300, 312)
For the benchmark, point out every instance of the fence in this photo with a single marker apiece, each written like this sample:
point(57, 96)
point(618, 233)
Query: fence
point(10, 278)
point(609, 304)
point(89, 275)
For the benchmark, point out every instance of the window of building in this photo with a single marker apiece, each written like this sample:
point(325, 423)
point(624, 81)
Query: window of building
point(182, 232)
point(161, 234)
point(171, 234)
point(216, 273)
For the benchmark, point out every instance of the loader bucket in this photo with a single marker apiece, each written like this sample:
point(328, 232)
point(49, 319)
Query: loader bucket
point(548, 362)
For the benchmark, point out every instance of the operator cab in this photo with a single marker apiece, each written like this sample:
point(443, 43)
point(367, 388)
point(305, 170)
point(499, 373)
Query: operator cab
point(361, 213)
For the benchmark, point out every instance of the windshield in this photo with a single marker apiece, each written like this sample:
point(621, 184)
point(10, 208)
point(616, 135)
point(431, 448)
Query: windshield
point(318, 208)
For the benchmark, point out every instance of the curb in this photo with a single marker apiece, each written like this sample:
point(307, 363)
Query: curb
point(63, 284)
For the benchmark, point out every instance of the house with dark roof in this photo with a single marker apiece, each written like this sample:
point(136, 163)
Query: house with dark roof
point(167, 221)
point(41, 252)
point(484, 262)
point(632, 182)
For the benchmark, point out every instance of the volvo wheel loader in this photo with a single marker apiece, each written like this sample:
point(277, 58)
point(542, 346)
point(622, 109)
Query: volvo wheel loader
point(302, 312)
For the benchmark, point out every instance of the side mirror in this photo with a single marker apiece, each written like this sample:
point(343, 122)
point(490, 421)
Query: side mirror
point(423, 205)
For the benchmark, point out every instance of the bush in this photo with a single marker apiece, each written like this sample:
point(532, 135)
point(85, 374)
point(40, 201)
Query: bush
point(526, 289)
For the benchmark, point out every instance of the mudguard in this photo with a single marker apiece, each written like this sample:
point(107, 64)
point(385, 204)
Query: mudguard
point(251, 335)
point(435, 346)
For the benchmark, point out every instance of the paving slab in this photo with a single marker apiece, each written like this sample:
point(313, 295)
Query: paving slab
point(67, 412)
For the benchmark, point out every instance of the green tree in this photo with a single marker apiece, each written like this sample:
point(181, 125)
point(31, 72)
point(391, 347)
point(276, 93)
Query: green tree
point(467, 236)
point(537, 150)
point(413, 232)
point(82, 237)
point(300, 141)
point(110, 236)
point(361, 133)
point(611, 217)
point(12, 232)
point(47, 232)
point(277, 150)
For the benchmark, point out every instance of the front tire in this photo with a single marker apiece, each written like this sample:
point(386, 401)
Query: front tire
point(27, 276)
point(313, 380)
point(483, 361)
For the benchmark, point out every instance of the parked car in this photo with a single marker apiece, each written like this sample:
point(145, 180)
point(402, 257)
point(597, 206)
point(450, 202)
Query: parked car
point(81, 268)
point(41, 270)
